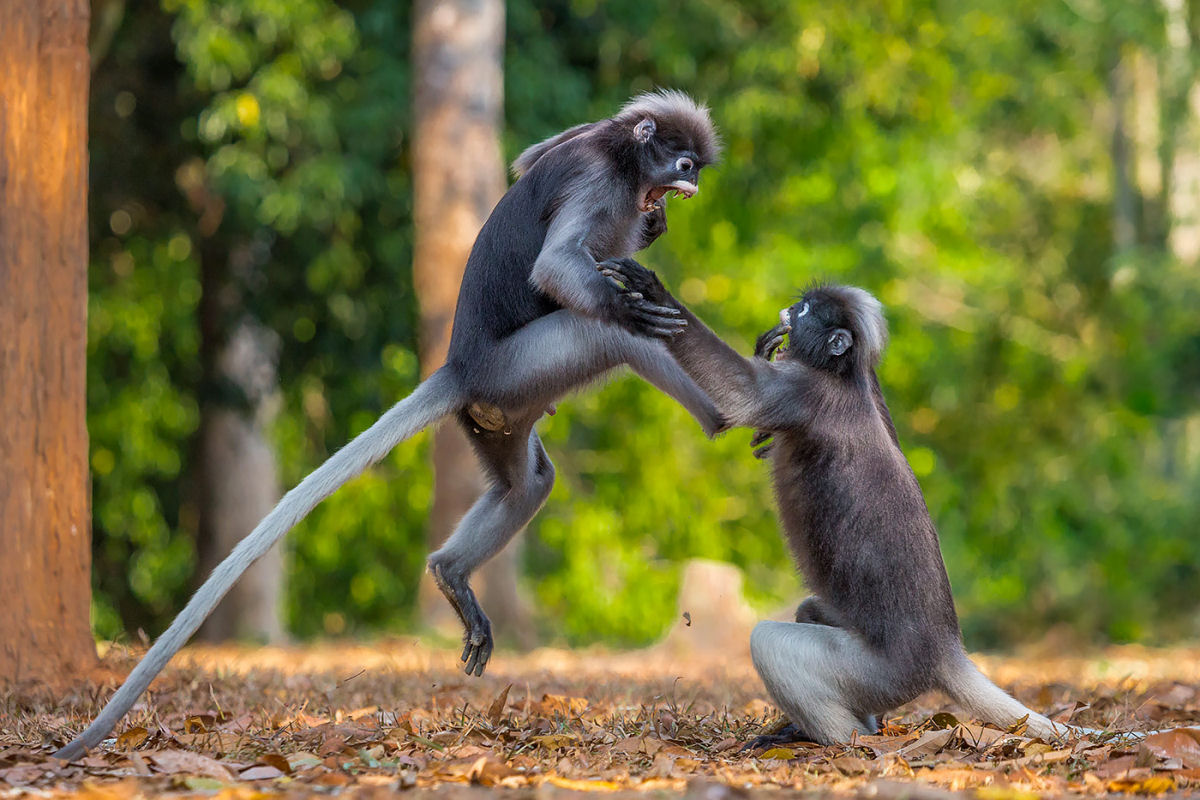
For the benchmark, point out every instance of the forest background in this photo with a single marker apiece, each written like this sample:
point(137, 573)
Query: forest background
point(1019, 182)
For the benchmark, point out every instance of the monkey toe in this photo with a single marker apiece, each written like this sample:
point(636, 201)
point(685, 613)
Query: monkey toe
point(477, 649)
point(786, 735)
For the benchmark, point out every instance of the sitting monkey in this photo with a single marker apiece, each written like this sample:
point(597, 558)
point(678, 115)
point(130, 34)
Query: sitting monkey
point(880, 628)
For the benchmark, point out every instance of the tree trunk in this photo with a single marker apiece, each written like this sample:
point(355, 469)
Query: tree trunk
point(1124, 205)
point(1181, 134)
point(45, 537)
point(458, 175)
point(240, 484)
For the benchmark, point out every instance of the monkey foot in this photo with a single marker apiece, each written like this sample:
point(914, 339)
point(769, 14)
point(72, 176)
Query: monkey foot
point(488, 417)
point(477, 650)
point(786, 735)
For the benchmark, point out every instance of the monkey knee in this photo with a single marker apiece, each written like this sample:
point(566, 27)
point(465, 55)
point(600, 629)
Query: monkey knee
point(444, 568)
point(768, 648)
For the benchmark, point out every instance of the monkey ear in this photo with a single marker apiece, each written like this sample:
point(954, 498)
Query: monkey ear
point(840, 341)
point(644, 130)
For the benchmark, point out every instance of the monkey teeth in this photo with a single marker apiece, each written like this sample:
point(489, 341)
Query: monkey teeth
point(653, 198)
point(684, 189)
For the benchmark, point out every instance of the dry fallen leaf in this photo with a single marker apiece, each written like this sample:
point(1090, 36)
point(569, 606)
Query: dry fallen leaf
point(174, 762)
point(134, 737)
point(1181, 743)
point(496, 709)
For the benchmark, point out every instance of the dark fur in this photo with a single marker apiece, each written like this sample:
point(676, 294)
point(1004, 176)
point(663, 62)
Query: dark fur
point(534, 320)
point(853, 513)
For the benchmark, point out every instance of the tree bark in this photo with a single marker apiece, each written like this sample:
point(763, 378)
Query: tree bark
point(45, 538)
point(458, 175)
point(1181, 132)
point(240, 485)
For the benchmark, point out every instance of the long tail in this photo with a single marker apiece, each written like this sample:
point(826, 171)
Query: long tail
point(963, 681)
point(434, 399)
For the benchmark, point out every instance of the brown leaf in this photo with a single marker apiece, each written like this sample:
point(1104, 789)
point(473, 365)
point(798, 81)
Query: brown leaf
point(1155, 784)
point(487, 771)
point(556, 741)
point(930, 743)
point(333, 779)
point(1181, 743)
point(978, 737)
point(277, 761)
point(1038, 758)
point(200, 723)
point(882, 745)
point(174, 762)
point(852, 765)
point(260, 772)
point(496, 709)
point(21, 774)
point(559, 704)
point(134, 737)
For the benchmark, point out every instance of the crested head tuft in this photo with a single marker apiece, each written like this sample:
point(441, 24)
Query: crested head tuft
point(866, 314)
point(673, 111)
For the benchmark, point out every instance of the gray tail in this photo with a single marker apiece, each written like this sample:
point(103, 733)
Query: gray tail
point(434, 399)
point(986, 701)
point(963, 681)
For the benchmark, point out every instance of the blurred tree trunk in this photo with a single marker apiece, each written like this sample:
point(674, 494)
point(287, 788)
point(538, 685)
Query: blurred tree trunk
point(240, 484)
point(1181, 130)
point(1125, 225)
point(238, 478)
point(458, 172)
point(45, 630)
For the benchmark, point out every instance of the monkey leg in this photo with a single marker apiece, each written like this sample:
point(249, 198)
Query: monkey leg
point(826, 680)
point(816, 611)
point(561, 351)
point(522, 477)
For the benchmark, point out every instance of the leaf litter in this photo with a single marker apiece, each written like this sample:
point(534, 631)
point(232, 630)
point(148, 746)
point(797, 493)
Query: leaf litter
point(351, 720)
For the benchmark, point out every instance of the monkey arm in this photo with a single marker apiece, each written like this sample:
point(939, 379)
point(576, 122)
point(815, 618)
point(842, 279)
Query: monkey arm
point(749, 392)
point(733, 382)
point(565, 269)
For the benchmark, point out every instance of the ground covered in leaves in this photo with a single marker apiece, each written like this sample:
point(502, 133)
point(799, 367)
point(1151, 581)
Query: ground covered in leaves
point(358, 721)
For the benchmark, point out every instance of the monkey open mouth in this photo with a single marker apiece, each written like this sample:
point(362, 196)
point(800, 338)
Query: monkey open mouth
point(681, 188)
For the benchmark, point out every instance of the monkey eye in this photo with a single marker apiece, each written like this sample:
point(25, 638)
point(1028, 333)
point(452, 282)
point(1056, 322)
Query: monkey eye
point(684, 164)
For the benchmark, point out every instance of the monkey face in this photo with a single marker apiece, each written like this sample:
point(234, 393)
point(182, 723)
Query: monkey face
point(670, 171)
point(817, 328)
point(669, 164)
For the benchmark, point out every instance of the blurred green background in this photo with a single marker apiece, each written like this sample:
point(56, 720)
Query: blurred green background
point(1012, 179)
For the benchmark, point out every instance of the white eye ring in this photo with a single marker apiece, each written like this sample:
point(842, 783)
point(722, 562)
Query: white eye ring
point(803, 310)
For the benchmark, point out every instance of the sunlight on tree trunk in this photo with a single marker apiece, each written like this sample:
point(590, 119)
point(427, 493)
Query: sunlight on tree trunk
point(1181, 134)
point(458, 173)
point(45, 539)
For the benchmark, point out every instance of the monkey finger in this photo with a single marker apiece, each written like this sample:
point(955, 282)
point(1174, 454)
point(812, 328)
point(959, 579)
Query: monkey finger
point(667, 323)
point(764, 451)
point(656, 332)
point(759, 437)
point(654, 308)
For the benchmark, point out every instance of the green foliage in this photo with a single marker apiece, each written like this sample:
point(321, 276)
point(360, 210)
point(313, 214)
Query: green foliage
point(955, 159)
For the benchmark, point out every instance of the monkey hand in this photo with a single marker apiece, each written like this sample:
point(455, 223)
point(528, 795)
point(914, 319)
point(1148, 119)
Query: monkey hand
point(762, 443)
point(769, 343)
point(642, 303)
point(654, 223)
